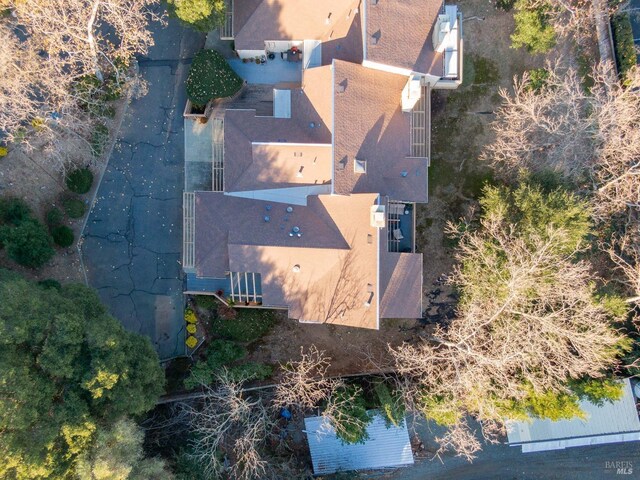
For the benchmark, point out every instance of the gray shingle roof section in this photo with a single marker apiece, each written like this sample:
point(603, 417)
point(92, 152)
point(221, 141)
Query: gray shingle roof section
point(609, 423)
point(386, 447)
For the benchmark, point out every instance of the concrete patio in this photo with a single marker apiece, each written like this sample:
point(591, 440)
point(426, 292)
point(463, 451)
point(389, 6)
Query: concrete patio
point(270, 73)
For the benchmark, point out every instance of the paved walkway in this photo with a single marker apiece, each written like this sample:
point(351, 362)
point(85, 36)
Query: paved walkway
point(133, 238)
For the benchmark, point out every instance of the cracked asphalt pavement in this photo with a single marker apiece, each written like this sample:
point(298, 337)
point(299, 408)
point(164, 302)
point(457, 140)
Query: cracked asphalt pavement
point(133, 237)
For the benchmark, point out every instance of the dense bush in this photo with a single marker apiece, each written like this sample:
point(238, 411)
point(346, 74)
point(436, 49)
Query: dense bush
point(623, 38)
point(202, 15)
point(532, 30)
point(62, 235)
point(50, 283)
point(80, 180)
point(223, 354)
point(28, 243)
point(211, 77)
point(54, 217)
point(74, 207)
point(249, 325)
point(13, 211)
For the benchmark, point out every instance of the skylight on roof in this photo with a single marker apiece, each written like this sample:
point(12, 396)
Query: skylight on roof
point(360, 166)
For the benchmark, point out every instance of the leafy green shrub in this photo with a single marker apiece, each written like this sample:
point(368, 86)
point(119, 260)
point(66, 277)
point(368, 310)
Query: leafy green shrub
point(219, 354)
point(62, 235)
point(206, 302)
point(54, 217)
point(190, 316)
point(505, 5)
point(74, 207)
point(532, 30)
point(50, 283)
point(441, 410)
point(251, 371)
point(350, 418)
point(13, 211)
point(28, 243)
point(249, 325)
point(202, 15)
point(598, 391)
point(623, 39)
point(80, 180)
point(99, 139)
point(554, 406)
point(538, 79)
point(211, 77)
point(391, 404)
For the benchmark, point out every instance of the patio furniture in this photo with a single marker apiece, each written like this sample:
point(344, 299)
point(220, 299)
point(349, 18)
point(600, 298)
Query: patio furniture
point(293, 55)
point(397, 234)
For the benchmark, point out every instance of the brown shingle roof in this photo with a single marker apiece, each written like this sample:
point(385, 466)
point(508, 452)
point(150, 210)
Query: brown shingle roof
point(221, 219)
point(288, 20)
point(370, 125)
point(398, 33)
point(332, 285)
point(281, 165)
point(401, 282)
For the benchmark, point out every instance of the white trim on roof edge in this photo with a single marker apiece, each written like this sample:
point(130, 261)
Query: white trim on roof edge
point(333, 126)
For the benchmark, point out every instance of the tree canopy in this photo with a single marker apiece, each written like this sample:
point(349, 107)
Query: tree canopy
point(528, 320)
point(66, 368)
point(202, 15)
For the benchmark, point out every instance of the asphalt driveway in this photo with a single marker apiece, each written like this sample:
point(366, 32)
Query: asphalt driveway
point(133, 237)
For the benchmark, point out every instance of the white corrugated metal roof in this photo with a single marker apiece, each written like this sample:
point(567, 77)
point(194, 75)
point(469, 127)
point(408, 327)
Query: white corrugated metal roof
point(610, 423)
point(386, 447)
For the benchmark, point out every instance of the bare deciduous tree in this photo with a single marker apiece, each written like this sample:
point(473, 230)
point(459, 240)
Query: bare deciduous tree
point(590, 138)
point(624, 251)
point(228, 420)
point(304, 382)
point(526, 322)
point(87, 35)
point(461, 440)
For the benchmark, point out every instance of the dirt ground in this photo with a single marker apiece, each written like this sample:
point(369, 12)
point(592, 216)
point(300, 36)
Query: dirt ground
point(26, 175)
point(459, 128)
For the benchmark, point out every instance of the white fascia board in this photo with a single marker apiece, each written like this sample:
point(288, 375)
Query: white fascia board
point(333, 124)
point(378, 299)
point(364, 29)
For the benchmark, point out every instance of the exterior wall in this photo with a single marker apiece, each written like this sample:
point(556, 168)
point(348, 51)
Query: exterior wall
point(386, 68)
point(278, 46)
point(250, 53)
point(292, 195)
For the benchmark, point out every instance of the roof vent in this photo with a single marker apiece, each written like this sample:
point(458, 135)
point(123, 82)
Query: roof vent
point(374, 2)
point(377, 216)
point(267, 218)
point(296, 269)
point(375, 38)
point(312, 125)
point(404, 173)
point(289, 209)
point(360, 166)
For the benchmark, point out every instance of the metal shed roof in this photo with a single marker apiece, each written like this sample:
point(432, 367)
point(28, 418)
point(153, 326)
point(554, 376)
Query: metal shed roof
point(612, 422)
point(386, 447)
